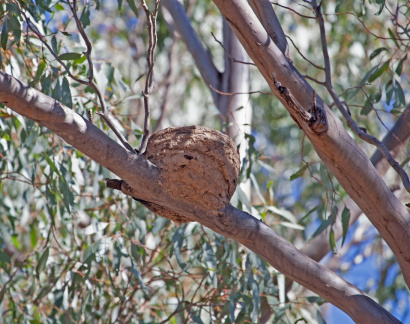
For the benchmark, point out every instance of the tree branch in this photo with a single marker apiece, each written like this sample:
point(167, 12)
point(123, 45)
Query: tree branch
point(345, 112)
point(395, 140)
point(267, 16)
point(336, 148)
point(152, 37)
point(143, 176)
point(90, 82)
point(202, 59)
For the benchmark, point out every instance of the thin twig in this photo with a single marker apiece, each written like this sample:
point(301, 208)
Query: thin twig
point(152, 36)
point(229, 54)
point(314, 80)
point(345, 112)
point(304, 57)
point(288, 8)
point(90, 82)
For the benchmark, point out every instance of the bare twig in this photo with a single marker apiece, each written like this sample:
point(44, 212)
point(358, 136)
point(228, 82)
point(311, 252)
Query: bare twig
point(229, 54)
point(304, 57)
point(90, 82)
point(345, 112)
point(152, 36)
point(288, 8)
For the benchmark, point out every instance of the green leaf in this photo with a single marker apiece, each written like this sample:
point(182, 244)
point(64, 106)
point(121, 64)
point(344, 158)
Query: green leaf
point(40, 70)
point(362, 82)
point(283, 212)
point(177, 240)
point(377, 52)
point(85, 16)
point(133, 7)
point(400, 100)
point(57, 91)
point(4, 35)
point(159, 224)
point(315, 299)
point(400, 65)
point(59, 7)
point(381, 4)
point(119, 4)
point(65, 33)
point(135, 253)
point(332, 242)
point(345, 222)
point(379, 71)
point(54, 44)
point(66, 93)
point(279, 314)
point(373, 99)
point(393, 37)
point(69, 56)
point(325, 224)
point(15, 27)
point(138, 276)
point(43, 261)
point(299, 173)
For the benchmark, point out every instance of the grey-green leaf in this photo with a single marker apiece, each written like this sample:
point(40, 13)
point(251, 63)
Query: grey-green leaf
point(133, 7)
point(345, 222)
point(379, 71)
point(69, 56)
point(43, 261)
point(4, 35)
point(377, 52)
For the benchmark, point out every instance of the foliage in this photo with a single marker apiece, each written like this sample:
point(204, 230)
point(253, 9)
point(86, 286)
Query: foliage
point(88, 254)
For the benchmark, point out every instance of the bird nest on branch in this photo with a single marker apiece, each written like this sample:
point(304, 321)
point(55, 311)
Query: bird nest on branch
point(198, 165)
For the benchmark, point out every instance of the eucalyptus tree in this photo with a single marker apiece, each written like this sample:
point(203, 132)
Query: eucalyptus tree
point(84, 84)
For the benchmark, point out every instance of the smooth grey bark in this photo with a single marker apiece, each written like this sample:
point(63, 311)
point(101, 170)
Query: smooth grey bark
point(264, 11)
point(338, 151)
point(202, 59)
point(143, 177)
point(235, 108)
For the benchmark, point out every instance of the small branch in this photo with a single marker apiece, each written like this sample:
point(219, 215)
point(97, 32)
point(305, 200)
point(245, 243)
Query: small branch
point(229, 54)
point(90, 82)
point(346, 112)
point(152, 36)
point(288, 8)
point(203, 61)
point(305, 58)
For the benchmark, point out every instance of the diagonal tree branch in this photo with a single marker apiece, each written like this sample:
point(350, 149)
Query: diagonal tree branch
point(203, 62)
point(143, 176)
point(267, 16)
point(395, 140)
point(340, 153)
point(345, 112)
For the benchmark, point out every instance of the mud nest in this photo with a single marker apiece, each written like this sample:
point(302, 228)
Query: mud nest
point(198, 165)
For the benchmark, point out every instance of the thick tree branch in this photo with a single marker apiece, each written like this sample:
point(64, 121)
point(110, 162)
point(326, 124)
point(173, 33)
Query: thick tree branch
point(143, 176)
point(267, 16)
point(336, 148)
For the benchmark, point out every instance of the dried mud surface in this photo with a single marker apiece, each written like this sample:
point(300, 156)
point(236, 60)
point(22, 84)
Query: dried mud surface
point(198, 165)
